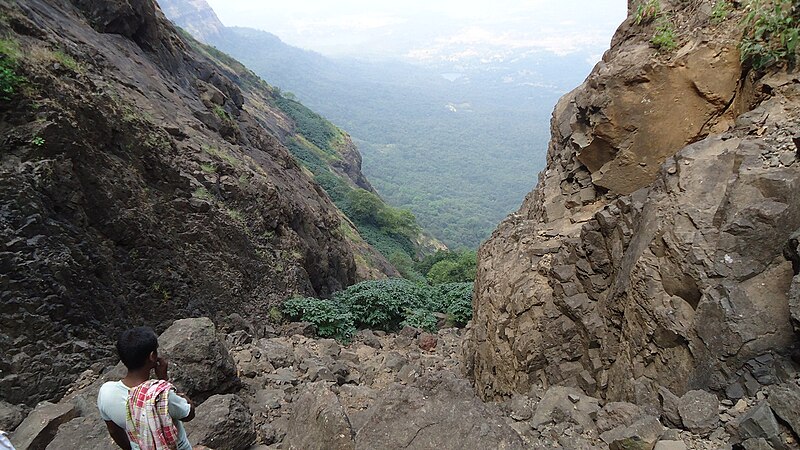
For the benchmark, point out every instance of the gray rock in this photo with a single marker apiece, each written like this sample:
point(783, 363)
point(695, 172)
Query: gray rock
point(699, 412)
point(520, 408)
point(199, 362)
point(41, 425)
point(439, 412)
point(394, 361)
point(670, 445)
point(369, 338)
point(85, 433)
point(279, 353)
point(617, 414)
point(669, 407)
point(556, 406)
point(329, 347)
point(785, 403)
point(641, 435)
point(757, 444)
point(223, 422)
point(10, 416)
point(759, 422)
point(318, 422)
point(299, 328)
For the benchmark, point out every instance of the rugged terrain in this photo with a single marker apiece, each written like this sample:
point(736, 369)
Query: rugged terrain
point(144, 180)
point(653, 257)
point(387, 391)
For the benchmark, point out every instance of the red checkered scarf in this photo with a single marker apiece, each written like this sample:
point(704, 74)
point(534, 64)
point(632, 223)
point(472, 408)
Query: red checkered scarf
point(148, 422)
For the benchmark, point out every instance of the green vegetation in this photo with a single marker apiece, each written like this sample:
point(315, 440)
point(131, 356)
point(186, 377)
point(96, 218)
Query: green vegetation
point(203, 194)
point(721, 10)
point(665, 37)
point(449, 267)
point(37, 141)
point(389, 230)
point(647, 11)
point(383, 305)
point(221, 113)
point(9, 79)
point(771, 32)
point(208, 168)
point(68, 61)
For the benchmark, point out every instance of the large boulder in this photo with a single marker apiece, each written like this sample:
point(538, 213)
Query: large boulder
point(223, 422)
point(760, 423)
point(617, 414)
point(785, 403)
point(699, 412)
point(564, 404)
point(431, 414)
point(10, 416)
point(41, 425)
point(318, 422)
point(640, 435)
point(199, 363)
point(85, 433)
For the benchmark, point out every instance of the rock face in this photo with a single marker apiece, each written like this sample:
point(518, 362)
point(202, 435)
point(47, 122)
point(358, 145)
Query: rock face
point(650, 252)
point(143, 182)
point(196, 17)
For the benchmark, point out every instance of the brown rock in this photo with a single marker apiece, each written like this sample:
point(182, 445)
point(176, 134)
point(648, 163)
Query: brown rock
point(427, 341)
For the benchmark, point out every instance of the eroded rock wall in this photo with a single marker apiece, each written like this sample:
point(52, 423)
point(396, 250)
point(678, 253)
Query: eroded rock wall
point(137, 187)
point(650, 252)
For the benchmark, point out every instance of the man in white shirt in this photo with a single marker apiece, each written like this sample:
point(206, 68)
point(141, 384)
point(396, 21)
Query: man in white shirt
point(138, 350)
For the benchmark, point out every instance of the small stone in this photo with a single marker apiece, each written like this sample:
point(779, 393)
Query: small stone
point(574, 398)
point(787, 159)
point(670, 445)
point(740, 406)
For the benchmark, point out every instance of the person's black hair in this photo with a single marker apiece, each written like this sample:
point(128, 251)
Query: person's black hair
point(135, 345)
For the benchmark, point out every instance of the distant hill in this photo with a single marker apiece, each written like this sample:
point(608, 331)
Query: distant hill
point(455, 143)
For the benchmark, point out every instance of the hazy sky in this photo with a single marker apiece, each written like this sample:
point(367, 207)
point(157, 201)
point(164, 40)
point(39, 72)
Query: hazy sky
point(430, 28)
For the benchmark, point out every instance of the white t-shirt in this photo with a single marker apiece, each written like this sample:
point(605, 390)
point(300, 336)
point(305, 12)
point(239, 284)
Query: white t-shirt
point(112, 399)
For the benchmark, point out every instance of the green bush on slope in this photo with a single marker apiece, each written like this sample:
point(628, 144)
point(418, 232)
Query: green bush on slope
point(771, 32)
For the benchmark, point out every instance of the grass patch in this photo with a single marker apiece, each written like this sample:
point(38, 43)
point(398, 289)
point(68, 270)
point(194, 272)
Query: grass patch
point(10, 80)
point(208, 168)
point(68, 61)
point(221, 154)
point(720, 12)
point(203, 194)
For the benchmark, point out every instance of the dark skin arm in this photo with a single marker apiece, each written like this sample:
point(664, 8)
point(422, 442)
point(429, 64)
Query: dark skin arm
point(119, 436)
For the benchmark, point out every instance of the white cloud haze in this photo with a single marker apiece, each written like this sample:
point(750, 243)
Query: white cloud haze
point(426, 28)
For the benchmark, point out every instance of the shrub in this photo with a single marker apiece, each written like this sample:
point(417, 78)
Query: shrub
point(771, 33)
point(331, 319)
point(664, 38)
point(383, 305)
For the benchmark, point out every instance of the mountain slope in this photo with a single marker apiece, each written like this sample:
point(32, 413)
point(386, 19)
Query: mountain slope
point(458, 153)
point(140, 183)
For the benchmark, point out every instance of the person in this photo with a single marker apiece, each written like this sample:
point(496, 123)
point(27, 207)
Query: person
point(138, 351)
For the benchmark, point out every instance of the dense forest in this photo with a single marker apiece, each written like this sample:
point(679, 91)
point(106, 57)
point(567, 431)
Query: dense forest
point(459, 150)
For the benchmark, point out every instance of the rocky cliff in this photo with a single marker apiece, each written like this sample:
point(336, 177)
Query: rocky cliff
point(196, 17)
point(650, 256)
point(141, 181)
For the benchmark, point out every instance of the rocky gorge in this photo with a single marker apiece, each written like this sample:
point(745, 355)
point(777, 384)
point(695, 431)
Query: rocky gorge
point(645, 296)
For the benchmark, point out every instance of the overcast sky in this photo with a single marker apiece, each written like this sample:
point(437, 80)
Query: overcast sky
point(423, 28)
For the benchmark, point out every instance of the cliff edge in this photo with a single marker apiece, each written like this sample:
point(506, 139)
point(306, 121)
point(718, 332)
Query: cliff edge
point(652, 252)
